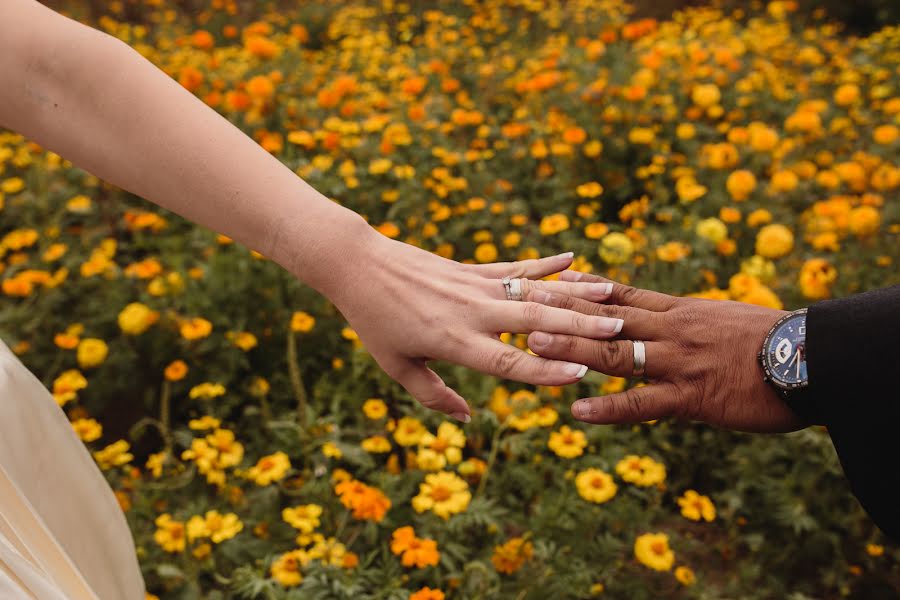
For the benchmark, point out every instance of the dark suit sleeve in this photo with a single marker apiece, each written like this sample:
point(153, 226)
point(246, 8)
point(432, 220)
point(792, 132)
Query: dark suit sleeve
point(853, 362)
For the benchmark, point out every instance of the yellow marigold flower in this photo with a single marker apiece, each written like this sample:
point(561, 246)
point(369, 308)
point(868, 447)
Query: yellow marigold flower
point(641, 135)
point(652, 550)
point(170, 534)
point(302, 322)
point(641, 470)
point(330, 450)
point(203, 423)
point(207, 391)
point(409, 431)
point(874, 549)
point(12, 185)
point(304, 517)
point(784, 181)
point(155, 463)
point(685, 575)
point(696, 507)
point(286, 569)
point(443, 493)
point(367, 503)
point(67, 384)
point(377, 444)
point(567, 442)
point(414, 551)
point(758, 217)
point(136, 318)
point(864, 221)
point(685, 131)
point(673, 251)
point(195, 328)
point(740, 184)
point(509, 557)
point(886, 134)
point(54, 252)
point(774, 241)
point(591, 189)
point(244, 340)
point(114, 455)
point(688, 190)
point(706, 95)
point(91, 353)
point(616, 248)
point(485, 253)
point(66, 341)
point(711, 229)
point(87, 429)
point(176, 370)
point(758, 267)
point(446, 445)
point(595, 486)
point(271, 468)
point(214, 525)
point(375, 408)
point(846, 95)
point(426, 593)
point(817, 276)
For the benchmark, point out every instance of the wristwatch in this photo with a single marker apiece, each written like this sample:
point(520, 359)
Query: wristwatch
point(783, 359)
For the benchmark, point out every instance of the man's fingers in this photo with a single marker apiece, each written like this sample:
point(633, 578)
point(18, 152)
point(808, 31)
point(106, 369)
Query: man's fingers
point(614, 357)
point(625, 295)
point(525, 317)
point(638, 324)
point(503, 360)
point(429, 389)
point(631, 406)
point(533, 268)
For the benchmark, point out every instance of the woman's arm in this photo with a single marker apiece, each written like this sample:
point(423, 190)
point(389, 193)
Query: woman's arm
point(95, 101)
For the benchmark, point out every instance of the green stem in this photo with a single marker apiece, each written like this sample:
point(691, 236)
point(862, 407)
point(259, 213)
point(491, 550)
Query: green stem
point(296, 379)
point(165, 417)
point(495, 446)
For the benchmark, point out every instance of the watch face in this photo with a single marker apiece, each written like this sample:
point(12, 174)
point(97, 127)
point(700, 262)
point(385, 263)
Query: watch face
point(785, 353)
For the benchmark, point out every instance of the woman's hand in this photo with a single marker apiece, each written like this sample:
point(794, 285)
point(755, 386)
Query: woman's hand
point(410, 306)
point(701, 358)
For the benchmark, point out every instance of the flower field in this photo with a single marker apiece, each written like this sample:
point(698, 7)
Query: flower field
point(750, 154)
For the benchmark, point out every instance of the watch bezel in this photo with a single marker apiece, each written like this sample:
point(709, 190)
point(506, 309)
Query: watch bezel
point(769, 375)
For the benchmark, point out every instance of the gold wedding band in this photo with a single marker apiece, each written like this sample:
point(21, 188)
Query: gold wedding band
point(640, 358)
point(513, 288)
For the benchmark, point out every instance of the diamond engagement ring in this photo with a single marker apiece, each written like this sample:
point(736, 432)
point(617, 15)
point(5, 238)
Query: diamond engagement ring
point(640, 358)
point(513, 288)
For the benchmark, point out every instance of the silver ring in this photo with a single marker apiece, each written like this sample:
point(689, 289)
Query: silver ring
point(640, 358)
point(513, 288)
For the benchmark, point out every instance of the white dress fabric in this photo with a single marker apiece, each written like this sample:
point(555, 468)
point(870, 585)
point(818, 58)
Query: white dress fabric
point(63, 535)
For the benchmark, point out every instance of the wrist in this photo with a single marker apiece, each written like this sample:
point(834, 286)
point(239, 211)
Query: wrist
point(338, 247)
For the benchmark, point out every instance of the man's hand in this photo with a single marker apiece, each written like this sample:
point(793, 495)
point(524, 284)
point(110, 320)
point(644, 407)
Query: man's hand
point(701, 358)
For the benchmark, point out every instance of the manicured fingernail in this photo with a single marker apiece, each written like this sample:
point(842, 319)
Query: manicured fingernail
point(599, 291)
point(540, 296)
point(464, 417)
point(575, 370)
point(565, 255)
point(570, 275)
point(539, 338)
point(608, 325)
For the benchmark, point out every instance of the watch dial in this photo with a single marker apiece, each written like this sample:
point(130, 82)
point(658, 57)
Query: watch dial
point(786, 353)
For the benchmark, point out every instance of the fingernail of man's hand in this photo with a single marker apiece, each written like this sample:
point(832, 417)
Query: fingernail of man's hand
point(539, 338)
point(575, 370)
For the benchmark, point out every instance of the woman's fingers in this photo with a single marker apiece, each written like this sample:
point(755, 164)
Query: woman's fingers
point(593, 292)
point(429, 389)
point(614, 357)
point(534, 268)
point(638, 324)
point(625, 295)
point(634, 405)
point(503, 360)
point(525, 317)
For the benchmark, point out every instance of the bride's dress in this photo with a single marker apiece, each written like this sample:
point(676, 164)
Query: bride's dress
point(62, 533)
